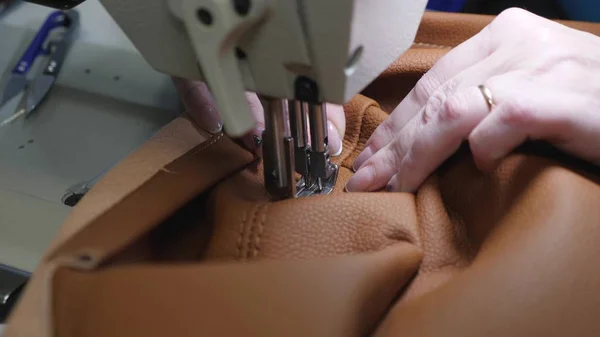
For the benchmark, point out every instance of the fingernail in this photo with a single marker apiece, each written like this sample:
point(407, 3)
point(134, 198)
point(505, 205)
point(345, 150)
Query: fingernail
point(335, 142)
point(362, 157)
point(337, 154)
point(361, 180)
point(205, 115)
point(218, 128)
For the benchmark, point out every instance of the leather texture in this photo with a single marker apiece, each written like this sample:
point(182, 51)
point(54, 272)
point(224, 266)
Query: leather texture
point(181, 240)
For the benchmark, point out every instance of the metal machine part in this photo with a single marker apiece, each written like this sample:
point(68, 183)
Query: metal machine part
point(300, 132)
point(274, 48)
point(280, 41)
point(295, 139)
point(278, 151)
point(12, 282)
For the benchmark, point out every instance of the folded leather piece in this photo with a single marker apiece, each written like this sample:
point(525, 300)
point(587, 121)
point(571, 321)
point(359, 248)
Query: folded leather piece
point(181, 240)
point(333, 297)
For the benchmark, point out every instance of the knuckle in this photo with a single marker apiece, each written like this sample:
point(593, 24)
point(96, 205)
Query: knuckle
point(384, 132)
point(409, 164)
point(516, 113)
point(475, 144)
point(433, 106)
point(561, 61)
point(480, 155)
point(453, 109)
point(426, 86)
point(393, 156)
point(379, 167)
point(515, 23)
point(511, 15)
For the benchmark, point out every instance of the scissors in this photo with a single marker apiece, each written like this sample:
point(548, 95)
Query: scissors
point(54, 50)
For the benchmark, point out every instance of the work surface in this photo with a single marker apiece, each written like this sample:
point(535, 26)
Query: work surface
point(106, 103)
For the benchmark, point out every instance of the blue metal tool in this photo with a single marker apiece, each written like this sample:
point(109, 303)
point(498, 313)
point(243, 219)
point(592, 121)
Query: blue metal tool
point(43, 45)
point(57, 50)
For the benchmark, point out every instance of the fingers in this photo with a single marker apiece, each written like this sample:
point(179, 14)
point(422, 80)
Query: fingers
point(532, 112)
point(252, 140)
point(423, 144)
point(457, 60)
point(439, 138)
point(201, 106)
point(199, 103)
point(336, 128)
point(429, 138)
point(377, 170)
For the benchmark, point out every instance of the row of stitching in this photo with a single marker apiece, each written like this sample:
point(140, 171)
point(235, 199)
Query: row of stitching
point(358, 129)
point(261, 226)
point(249, 248)
point(181, 161)
point(247, 227)
point(255, 232)
point(208, 143)
point(431, 45)
point(241, 235)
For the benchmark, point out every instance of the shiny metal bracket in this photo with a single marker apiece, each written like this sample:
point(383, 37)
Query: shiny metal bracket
point(295, 141)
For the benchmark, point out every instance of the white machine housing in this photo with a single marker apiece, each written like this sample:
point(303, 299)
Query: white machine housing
point(341, 45)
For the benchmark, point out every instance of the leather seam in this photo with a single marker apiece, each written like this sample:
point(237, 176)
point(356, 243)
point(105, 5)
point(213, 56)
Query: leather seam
point(208, 143)
point(360, 130)
point(248, 230)
point(431, 45)
point(199, 149)
point(251, 247)
point(261, 226)
point(241, 235)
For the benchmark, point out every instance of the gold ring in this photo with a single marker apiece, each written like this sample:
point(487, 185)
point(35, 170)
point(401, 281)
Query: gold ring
point(487, 94)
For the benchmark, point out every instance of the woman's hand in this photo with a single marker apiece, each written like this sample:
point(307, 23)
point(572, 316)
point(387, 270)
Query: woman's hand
point(545, 83)
point(201, 106)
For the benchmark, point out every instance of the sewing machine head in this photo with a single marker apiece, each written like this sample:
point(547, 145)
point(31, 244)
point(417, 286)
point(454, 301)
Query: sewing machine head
point(296, 54)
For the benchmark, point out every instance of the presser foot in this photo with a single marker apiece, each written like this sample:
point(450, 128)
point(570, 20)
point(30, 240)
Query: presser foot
point(317, 186)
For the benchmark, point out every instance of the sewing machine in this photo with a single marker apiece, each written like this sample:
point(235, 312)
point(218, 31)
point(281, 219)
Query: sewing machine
point(296, 55)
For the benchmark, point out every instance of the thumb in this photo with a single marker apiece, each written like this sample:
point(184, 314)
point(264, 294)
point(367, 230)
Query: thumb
point(336, 128)
point(199, 104)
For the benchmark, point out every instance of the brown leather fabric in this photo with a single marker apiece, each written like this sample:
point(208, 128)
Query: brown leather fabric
point(336, 297)
point(505, 253)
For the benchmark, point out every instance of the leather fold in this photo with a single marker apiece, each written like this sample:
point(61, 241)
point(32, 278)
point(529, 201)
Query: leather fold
point(343, 296)
point(158, 198)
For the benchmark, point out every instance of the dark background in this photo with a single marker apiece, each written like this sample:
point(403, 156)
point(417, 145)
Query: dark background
point(546, 8)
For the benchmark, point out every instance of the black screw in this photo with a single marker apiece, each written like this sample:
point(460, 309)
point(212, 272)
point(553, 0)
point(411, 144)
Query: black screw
point(242, 7)
point(257, 141)
point(204, 16)
point(73, 199)
point(306, 90)
point(240, 54)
